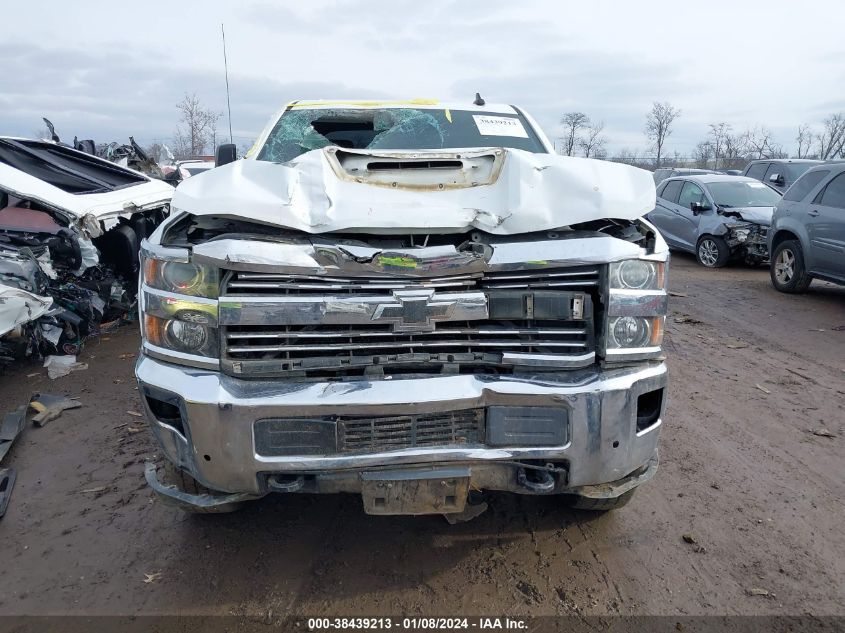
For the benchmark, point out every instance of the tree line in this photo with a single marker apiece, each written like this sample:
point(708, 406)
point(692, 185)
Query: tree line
point(721, 148)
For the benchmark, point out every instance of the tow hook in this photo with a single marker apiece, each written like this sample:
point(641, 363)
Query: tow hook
point(282, 483)
point(544, 481)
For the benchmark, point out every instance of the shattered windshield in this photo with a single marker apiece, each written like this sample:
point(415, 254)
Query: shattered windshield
point(301, 130)
point(743, 194)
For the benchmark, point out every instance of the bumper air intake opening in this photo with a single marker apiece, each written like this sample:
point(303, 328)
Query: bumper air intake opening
point(166, 413)
point(648, 408)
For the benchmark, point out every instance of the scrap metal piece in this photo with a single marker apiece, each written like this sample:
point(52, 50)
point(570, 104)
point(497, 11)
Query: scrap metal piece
point(13, 423)
point(7, 482)
point(50, 407)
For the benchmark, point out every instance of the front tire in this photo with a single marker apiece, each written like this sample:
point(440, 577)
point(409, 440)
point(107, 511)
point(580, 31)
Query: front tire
point(602, 505)
point(712, 252)
point(787, 268)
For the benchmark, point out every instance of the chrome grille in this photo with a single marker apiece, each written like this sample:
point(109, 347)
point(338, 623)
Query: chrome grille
point(291, 340)
point(409, 431)
point(252, 284)
point(320, 339)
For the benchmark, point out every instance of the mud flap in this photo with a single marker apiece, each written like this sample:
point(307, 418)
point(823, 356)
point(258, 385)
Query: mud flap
point(414, 492)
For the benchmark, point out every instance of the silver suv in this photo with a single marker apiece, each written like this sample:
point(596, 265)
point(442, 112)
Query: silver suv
point(779, 174)
point(807, 236)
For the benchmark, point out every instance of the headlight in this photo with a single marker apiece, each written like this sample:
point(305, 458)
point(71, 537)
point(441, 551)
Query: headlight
point(636, 310)
point(181, 336)
point(740, 234)
point(637, 274)
point(179, 306)
point(635, 332)
point(184, 278)
point(191, 337)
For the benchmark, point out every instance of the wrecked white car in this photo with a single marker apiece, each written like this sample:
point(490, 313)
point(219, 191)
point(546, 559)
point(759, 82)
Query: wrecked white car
point(71, 225)
point(415, 302)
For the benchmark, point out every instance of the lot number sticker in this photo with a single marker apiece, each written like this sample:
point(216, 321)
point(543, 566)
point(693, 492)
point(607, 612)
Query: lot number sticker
point(499, 126)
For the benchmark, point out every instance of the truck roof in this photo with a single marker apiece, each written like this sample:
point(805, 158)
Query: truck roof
point(422, 104)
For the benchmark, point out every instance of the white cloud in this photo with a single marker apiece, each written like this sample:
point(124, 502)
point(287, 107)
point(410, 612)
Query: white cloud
point(107, 70)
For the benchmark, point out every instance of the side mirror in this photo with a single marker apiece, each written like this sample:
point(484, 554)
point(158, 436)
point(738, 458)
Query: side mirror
point(697, 207)
point(226, 153)
point(776, 178)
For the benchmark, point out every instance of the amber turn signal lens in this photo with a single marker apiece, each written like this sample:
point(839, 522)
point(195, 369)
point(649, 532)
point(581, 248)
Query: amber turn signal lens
point(656, 331)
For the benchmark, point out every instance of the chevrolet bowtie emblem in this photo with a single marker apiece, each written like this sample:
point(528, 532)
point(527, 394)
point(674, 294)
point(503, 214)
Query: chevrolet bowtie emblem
point(413, 310)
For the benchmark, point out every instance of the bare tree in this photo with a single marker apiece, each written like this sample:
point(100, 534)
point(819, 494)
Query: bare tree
point(155, 151)
point(804, 140)
point(759, 143)
point(720, 134)
point(197, 129)
point(831, 141)
point(592, 144)
point(573, 123)
point(658, 125)
point(244, 147)
point(627, 156)
point(702, 154)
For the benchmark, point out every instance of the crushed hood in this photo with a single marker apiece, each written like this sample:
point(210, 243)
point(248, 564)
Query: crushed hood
point(757, 215)
point(500, 191)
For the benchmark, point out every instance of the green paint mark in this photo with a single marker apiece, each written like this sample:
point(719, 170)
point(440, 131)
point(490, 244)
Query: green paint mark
point(397, 261)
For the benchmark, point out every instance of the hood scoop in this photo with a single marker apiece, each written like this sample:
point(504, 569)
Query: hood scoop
point(413, 170)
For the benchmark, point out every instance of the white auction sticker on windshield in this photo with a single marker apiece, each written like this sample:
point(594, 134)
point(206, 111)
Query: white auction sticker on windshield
point(757, 185)
point(499, 126)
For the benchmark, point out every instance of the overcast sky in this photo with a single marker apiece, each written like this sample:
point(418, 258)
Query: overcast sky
point(105, 70)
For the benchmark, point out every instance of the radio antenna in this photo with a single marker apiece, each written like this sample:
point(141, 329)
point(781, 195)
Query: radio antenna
point(226, 69)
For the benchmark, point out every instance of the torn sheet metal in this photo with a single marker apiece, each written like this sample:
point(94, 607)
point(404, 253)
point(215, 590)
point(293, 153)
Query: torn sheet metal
point(18, 307)
point(317, 193)
point(11, 427)
point(99, 202)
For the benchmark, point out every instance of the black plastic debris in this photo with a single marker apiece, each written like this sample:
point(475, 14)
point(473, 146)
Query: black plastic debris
point(7, 482)
point(13, 423)
point(48, 407)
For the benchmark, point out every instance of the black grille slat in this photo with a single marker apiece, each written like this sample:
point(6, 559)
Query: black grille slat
point(410, 431)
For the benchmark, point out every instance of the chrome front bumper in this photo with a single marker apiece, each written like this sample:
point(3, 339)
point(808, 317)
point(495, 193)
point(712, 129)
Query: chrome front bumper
point(216, 444)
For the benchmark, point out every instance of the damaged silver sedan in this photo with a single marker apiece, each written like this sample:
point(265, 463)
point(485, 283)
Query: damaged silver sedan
point(413, 302)
point(716, 217)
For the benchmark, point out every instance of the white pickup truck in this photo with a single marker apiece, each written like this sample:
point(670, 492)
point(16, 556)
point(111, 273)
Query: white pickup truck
point(412, 301)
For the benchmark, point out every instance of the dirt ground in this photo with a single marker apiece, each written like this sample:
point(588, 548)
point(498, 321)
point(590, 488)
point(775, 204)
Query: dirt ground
point(757, 381)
